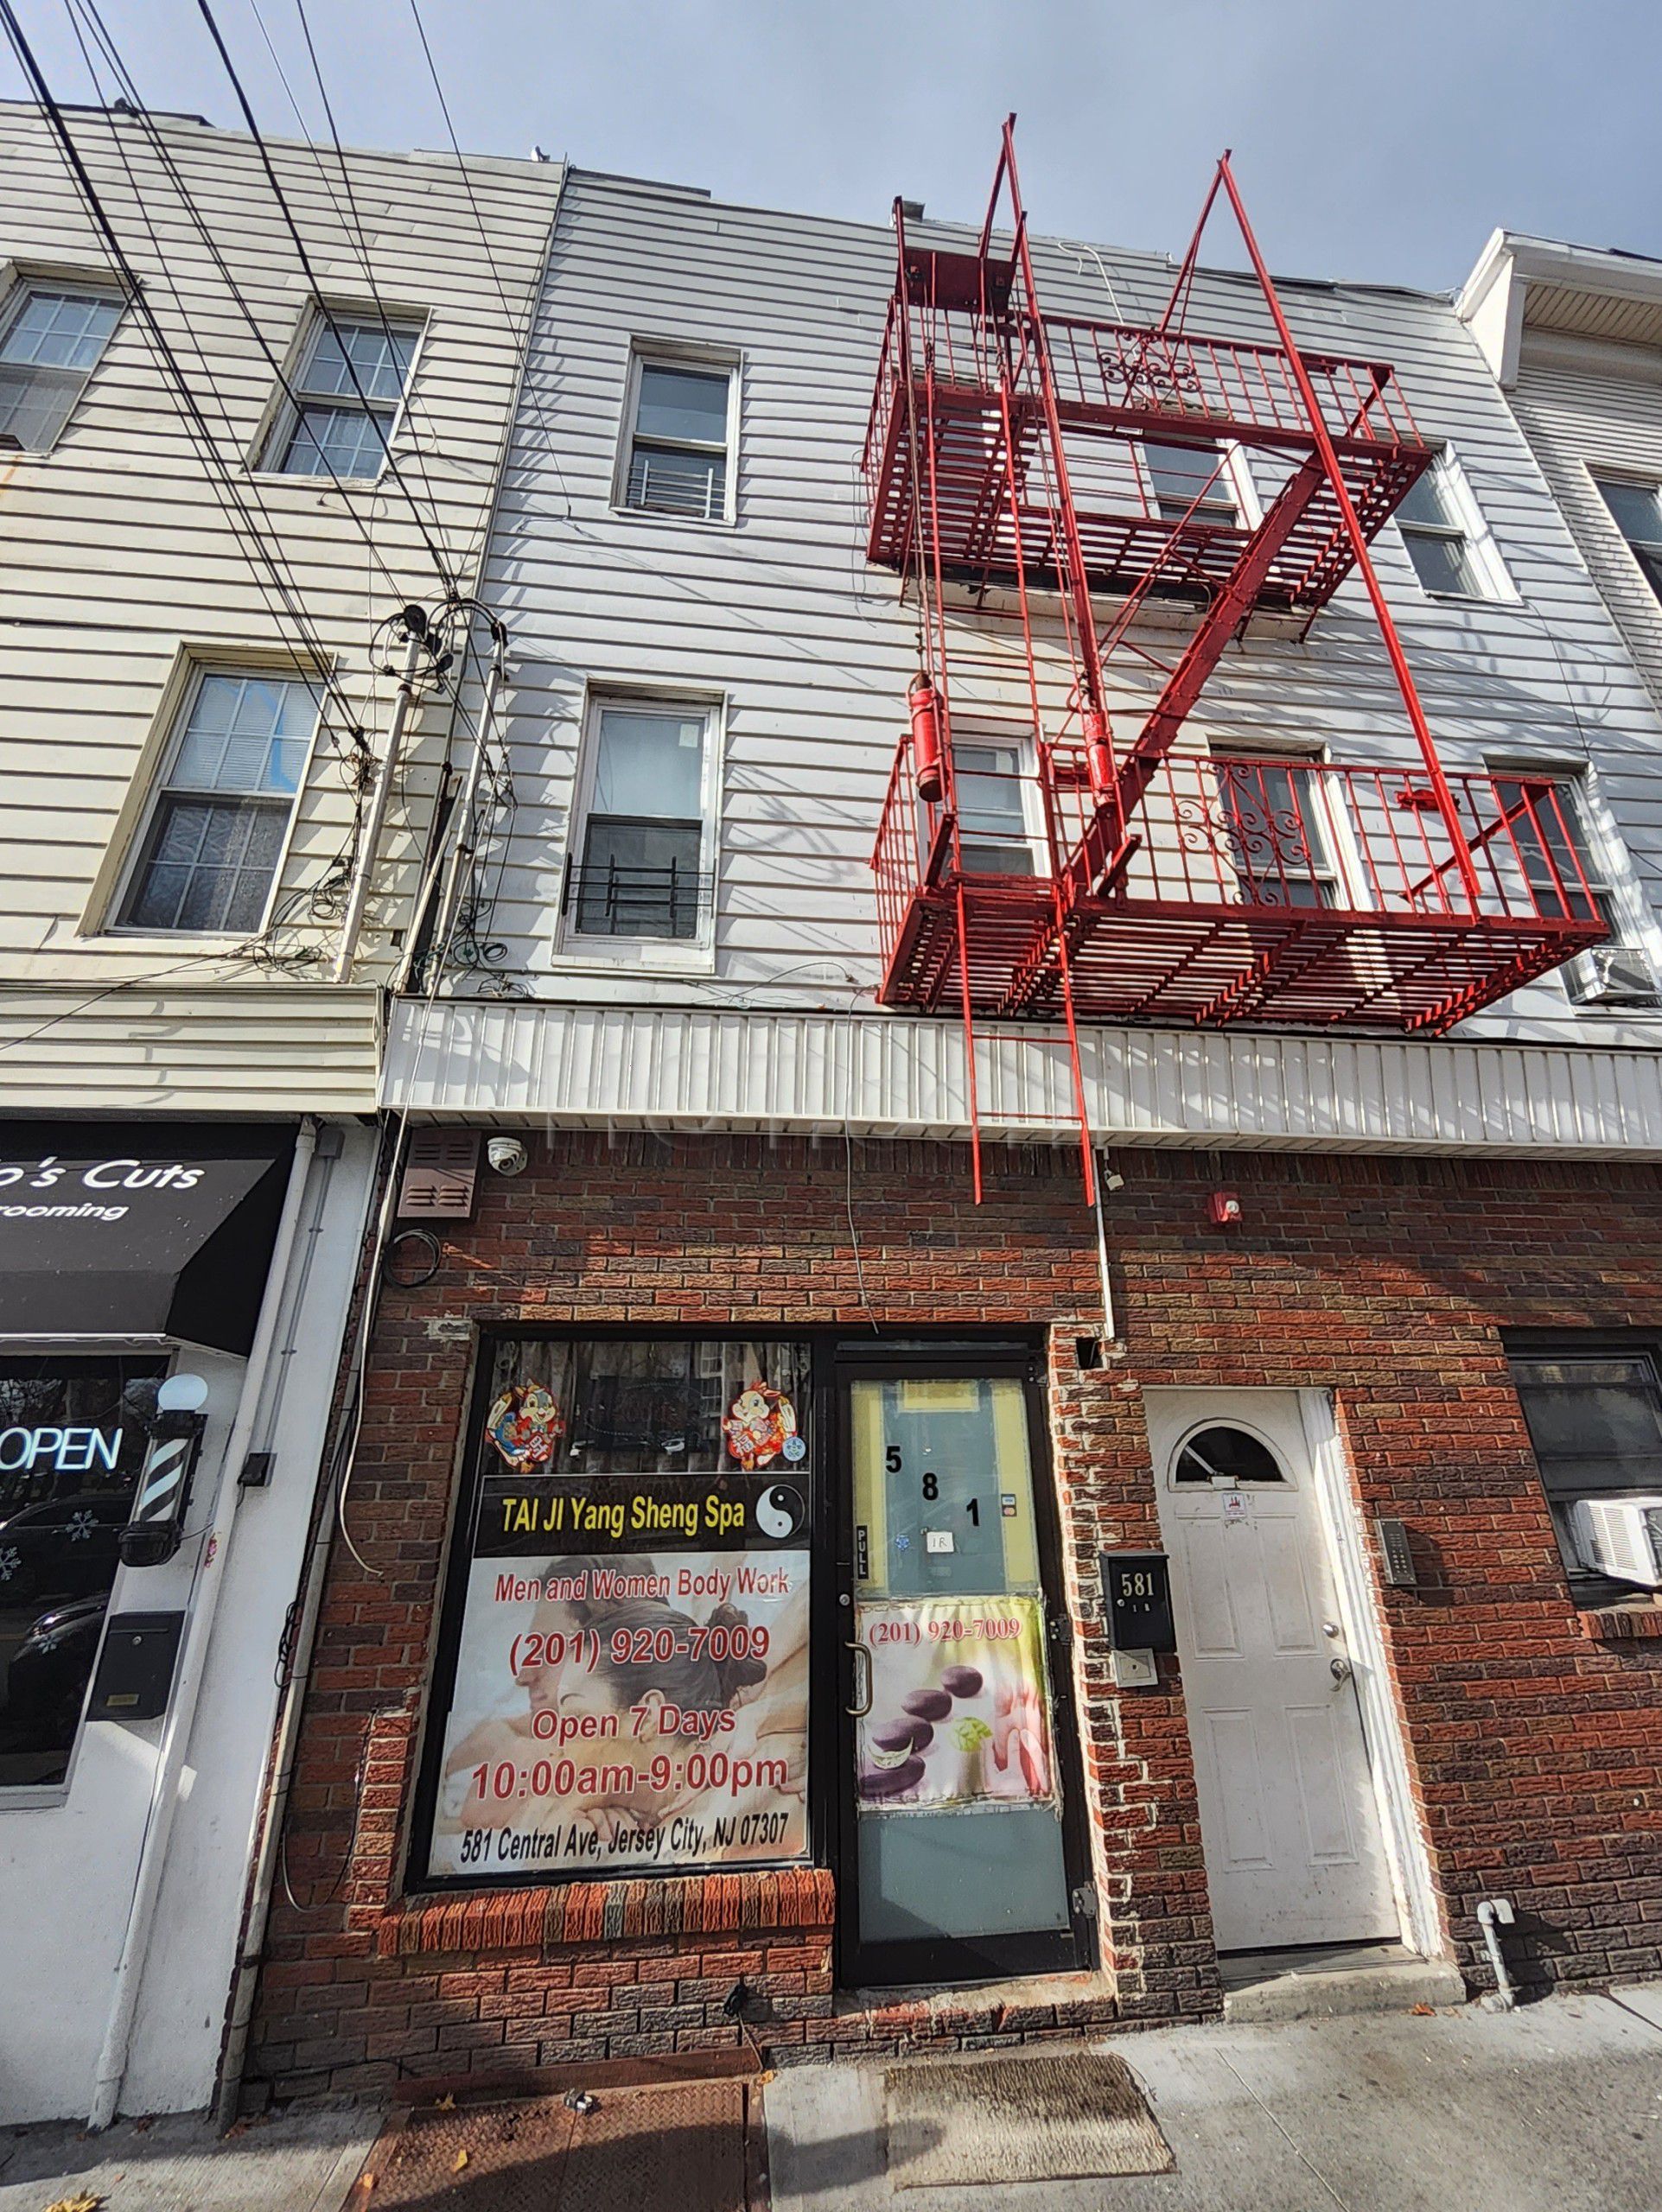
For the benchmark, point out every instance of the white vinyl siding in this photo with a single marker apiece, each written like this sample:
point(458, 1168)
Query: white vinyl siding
point(52, 338)
point(1592, 412)
point(814, 649)
point(121, 564)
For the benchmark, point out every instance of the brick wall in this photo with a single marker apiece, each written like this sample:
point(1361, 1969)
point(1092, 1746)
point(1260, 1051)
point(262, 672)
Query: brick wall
point(1533, 1733)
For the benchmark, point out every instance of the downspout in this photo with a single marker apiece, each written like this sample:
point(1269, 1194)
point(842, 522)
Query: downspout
point(208, 1583)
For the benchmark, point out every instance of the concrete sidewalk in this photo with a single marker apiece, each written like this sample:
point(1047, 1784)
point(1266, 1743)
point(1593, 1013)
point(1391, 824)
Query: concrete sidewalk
point(1554, 2108)
point(299, 2162)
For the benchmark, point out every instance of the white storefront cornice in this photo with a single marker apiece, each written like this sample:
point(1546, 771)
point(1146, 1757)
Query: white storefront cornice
point(544, 1062)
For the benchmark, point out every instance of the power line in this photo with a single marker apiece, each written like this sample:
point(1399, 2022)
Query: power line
point(438, 558)
point(533, 297)
point(412, 397)
point(226, 489)
point(164, 155)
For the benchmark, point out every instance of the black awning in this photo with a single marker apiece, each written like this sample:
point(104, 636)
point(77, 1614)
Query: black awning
point(137, 1228)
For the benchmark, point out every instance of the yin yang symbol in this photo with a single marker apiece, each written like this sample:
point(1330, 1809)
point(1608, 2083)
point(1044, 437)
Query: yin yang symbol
point(780, 1511)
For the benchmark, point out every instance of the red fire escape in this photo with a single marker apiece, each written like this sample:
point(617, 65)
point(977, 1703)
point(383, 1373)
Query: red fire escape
point(1050, 848)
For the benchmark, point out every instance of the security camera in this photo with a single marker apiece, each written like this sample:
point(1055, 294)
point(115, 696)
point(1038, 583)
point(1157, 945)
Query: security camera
point(507, 1155)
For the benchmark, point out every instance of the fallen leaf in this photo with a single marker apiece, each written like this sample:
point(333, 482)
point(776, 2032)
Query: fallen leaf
point(86, 2201)
point(460, 2161)
point(446, 2103)
point(366, 2180)
point(1426, 2011)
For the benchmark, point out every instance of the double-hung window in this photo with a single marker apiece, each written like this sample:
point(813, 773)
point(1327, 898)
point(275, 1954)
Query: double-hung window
point(51, 337)
point(1595, 1423)
point(347, 393)
point(993, 838)
point(1636, 510)
point(679, 440)
point(220, 816)
point(640, 865)
point(1190, 481)
point(1548, 832)
point(1434, 531)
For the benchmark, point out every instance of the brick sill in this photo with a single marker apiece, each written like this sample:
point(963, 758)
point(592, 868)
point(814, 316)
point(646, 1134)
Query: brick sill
point(565, 1913)
point(1621, 1622)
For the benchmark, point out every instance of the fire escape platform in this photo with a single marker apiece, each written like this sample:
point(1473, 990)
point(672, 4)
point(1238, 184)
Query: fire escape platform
point(1143, 961)
point(939, 437)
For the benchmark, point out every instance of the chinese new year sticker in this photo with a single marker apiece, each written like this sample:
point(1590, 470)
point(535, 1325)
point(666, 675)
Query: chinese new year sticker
point(525, 1426)
point(760, 1426)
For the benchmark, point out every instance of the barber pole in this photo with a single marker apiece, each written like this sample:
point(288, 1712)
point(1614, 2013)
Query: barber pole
point(157, 1528)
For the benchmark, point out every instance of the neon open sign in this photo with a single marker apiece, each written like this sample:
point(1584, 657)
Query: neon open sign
point(69, 1450)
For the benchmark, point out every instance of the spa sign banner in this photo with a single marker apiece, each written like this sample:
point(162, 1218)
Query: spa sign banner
point(959, 1712)
point(631, 1688)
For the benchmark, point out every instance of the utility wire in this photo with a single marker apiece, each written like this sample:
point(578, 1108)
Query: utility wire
point(348, 220)
point(439, 559)
point(523, 338)
point(164, 156)
point(357, 218)
point(229, 493)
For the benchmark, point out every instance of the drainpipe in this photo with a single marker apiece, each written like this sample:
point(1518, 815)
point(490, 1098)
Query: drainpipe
point(209, 1581)
point(1493, 1915)
point(414, 634)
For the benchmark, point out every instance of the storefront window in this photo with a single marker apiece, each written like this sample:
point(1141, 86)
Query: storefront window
point(73, 1434)
point(624, 1685)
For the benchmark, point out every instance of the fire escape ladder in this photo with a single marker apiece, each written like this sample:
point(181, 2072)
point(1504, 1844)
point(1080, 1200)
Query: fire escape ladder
point(1204, 649)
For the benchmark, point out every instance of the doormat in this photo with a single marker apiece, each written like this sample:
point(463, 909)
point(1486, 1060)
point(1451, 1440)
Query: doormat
point(684, 2145)
point(1053, 2116)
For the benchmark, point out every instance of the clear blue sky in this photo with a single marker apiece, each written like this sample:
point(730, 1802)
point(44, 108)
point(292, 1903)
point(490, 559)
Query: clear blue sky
point(1380, 141)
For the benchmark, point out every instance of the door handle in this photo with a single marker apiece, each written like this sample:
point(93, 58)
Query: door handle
point(859, 1710)
point(1339, 1668)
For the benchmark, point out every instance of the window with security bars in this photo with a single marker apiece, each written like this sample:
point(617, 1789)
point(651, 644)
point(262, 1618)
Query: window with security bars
point(678, 462)
point(217, 828)
point(1435, 533)
point(347, 393)
point(1277, 842)
point(1636, 510)
point(1595, 1422)
point(51, 338)
point(641, 869)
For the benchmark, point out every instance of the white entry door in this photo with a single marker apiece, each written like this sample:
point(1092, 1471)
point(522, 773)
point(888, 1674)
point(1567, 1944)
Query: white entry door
point(1288, 1813)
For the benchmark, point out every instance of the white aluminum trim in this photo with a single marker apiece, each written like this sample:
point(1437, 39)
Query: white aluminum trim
point(591, 1065)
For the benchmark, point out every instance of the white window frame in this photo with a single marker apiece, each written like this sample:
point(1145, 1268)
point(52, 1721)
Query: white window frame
point(674, 955)
point(277, 432)
point(1635, 481)
point(1339, 860)
point(1606, 866)
point(175, 721)
point(1470, 526)
point(24, 279)
point(1232, 477)
point(1027, 795)
point(700, 360)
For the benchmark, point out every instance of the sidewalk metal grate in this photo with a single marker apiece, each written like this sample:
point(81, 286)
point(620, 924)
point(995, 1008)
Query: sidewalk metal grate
point(682, 2144)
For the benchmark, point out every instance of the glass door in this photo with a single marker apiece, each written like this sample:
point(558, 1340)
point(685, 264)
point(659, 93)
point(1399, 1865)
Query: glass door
point(958, 1861)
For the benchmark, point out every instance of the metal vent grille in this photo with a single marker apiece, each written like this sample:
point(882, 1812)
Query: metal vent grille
point(441, 1174)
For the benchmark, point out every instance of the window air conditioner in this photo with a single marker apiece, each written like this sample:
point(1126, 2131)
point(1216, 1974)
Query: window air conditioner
point(1620, 1537)
point(1612, 974)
